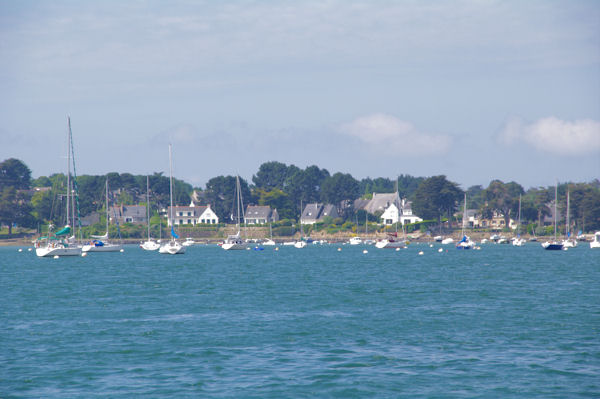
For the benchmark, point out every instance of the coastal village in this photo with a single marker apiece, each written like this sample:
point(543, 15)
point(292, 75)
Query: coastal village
point(211, 214)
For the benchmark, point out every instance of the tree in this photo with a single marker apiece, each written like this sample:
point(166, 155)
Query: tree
point(220, 194)
point(277, 199)
point(435, 197)
point(340, 188)
point(14, 173)
point(14, 208)
point(503, 198)
point(272, 175)
point(306, 185)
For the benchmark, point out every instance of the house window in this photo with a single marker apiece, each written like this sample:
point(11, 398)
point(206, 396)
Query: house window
point(189, 213)
point(189, 221)
point(180, 221)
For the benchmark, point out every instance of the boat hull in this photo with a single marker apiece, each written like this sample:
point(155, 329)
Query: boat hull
point(232, 246)
point(150, 245)
point(385, 244)
point(552, 246)
point(172, 248)
point(102, 248)
point(57, 251)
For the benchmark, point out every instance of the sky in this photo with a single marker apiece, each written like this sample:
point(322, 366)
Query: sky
point(474, 90)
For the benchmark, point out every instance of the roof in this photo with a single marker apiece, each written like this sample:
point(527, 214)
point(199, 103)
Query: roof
point(381, 202)
point(311, 211)
point(134, 210)
point(258, 211)
point(328, 210)
point(361, 203)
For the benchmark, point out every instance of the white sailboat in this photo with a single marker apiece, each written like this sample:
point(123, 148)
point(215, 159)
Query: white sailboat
point(60, 243)
point(149, 244)
point(235, 242)
point(270, 240)
point(300, 243)
point(595, 243)
point(100, 243)
point(518, 241)
point(554, 245)
point(465, 242)
point(171, 247)
point(568, 242)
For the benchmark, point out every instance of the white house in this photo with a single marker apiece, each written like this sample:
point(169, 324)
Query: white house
point(404, 215)
point(391, 215)
point(407, 216)
point(192, 215)
point(259, 214)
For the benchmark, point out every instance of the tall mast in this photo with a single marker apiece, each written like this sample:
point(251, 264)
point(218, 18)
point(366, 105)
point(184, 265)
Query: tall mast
point(555, 208)
point(568, 227)
point(464, 221)
point(171, 188)
point(106, 189)
point(519, 225)
point(68, 171)
point(148, 204)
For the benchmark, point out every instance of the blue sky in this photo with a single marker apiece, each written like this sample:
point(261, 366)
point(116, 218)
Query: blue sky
point(475, 90)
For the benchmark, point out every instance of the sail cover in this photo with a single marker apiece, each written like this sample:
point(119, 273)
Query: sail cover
point(64, 231)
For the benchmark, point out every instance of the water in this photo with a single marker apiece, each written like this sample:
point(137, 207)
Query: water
point(501, 322)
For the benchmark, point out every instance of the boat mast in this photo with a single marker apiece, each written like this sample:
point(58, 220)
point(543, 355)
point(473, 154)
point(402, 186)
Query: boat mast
point(567, 228)
point(237, 188)
point(555, 208)
point(148, 204)
point(68, 171)
point(171, 189)
point(464, 221)
point(106, 189)
point(519, 223)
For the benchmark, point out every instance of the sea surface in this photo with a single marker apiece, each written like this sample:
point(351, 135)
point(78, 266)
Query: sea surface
point(319, 322)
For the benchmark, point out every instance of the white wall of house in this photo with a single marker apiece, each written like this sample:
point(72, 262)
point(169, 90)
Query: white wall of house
point(208, 217)
point(390, 215)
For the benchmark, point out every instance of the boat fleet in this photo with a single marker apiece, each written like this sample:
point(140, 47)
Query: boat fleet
point(62, 242)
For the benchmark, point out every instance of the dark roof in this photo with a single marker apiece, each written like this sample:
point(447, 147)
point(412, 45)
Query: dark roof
point(258, 212)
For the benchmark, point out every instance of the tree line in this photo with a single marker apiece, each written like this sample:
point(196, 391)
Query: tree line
point(285, 187)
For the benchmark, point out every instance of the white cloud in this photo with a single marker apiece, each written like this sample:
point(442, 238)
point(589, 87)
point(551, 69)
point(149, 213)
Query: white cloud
point(555, 136)
point(388, 134)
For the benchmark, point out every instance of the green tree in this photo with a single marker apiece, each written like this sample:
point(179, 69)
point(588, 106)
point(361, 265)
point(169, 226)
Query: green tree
point(41, 204)
point(220, 194)
point(15, 208)
point(277, 199)
point(436, 196)
point(503, 198)
point(14, 173)
point(340, 190)
point(272, 175)
point(306, 185)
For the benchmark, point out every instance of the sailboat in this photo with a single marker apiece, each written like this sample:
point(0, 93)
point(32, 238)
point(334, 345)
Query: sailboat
point(149, 244)
point(172, 247)
point(595, 243)
point(300, 243)
point(235, 242)
point(568, 242)
point(518, 241)
point(60, 243)
point(270, 240)
point(465, 242)
point(554, 245)
point(100, 243)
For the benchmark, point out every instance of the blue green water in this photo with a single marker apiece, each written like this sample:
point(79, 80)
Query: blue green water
point(503, 322)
